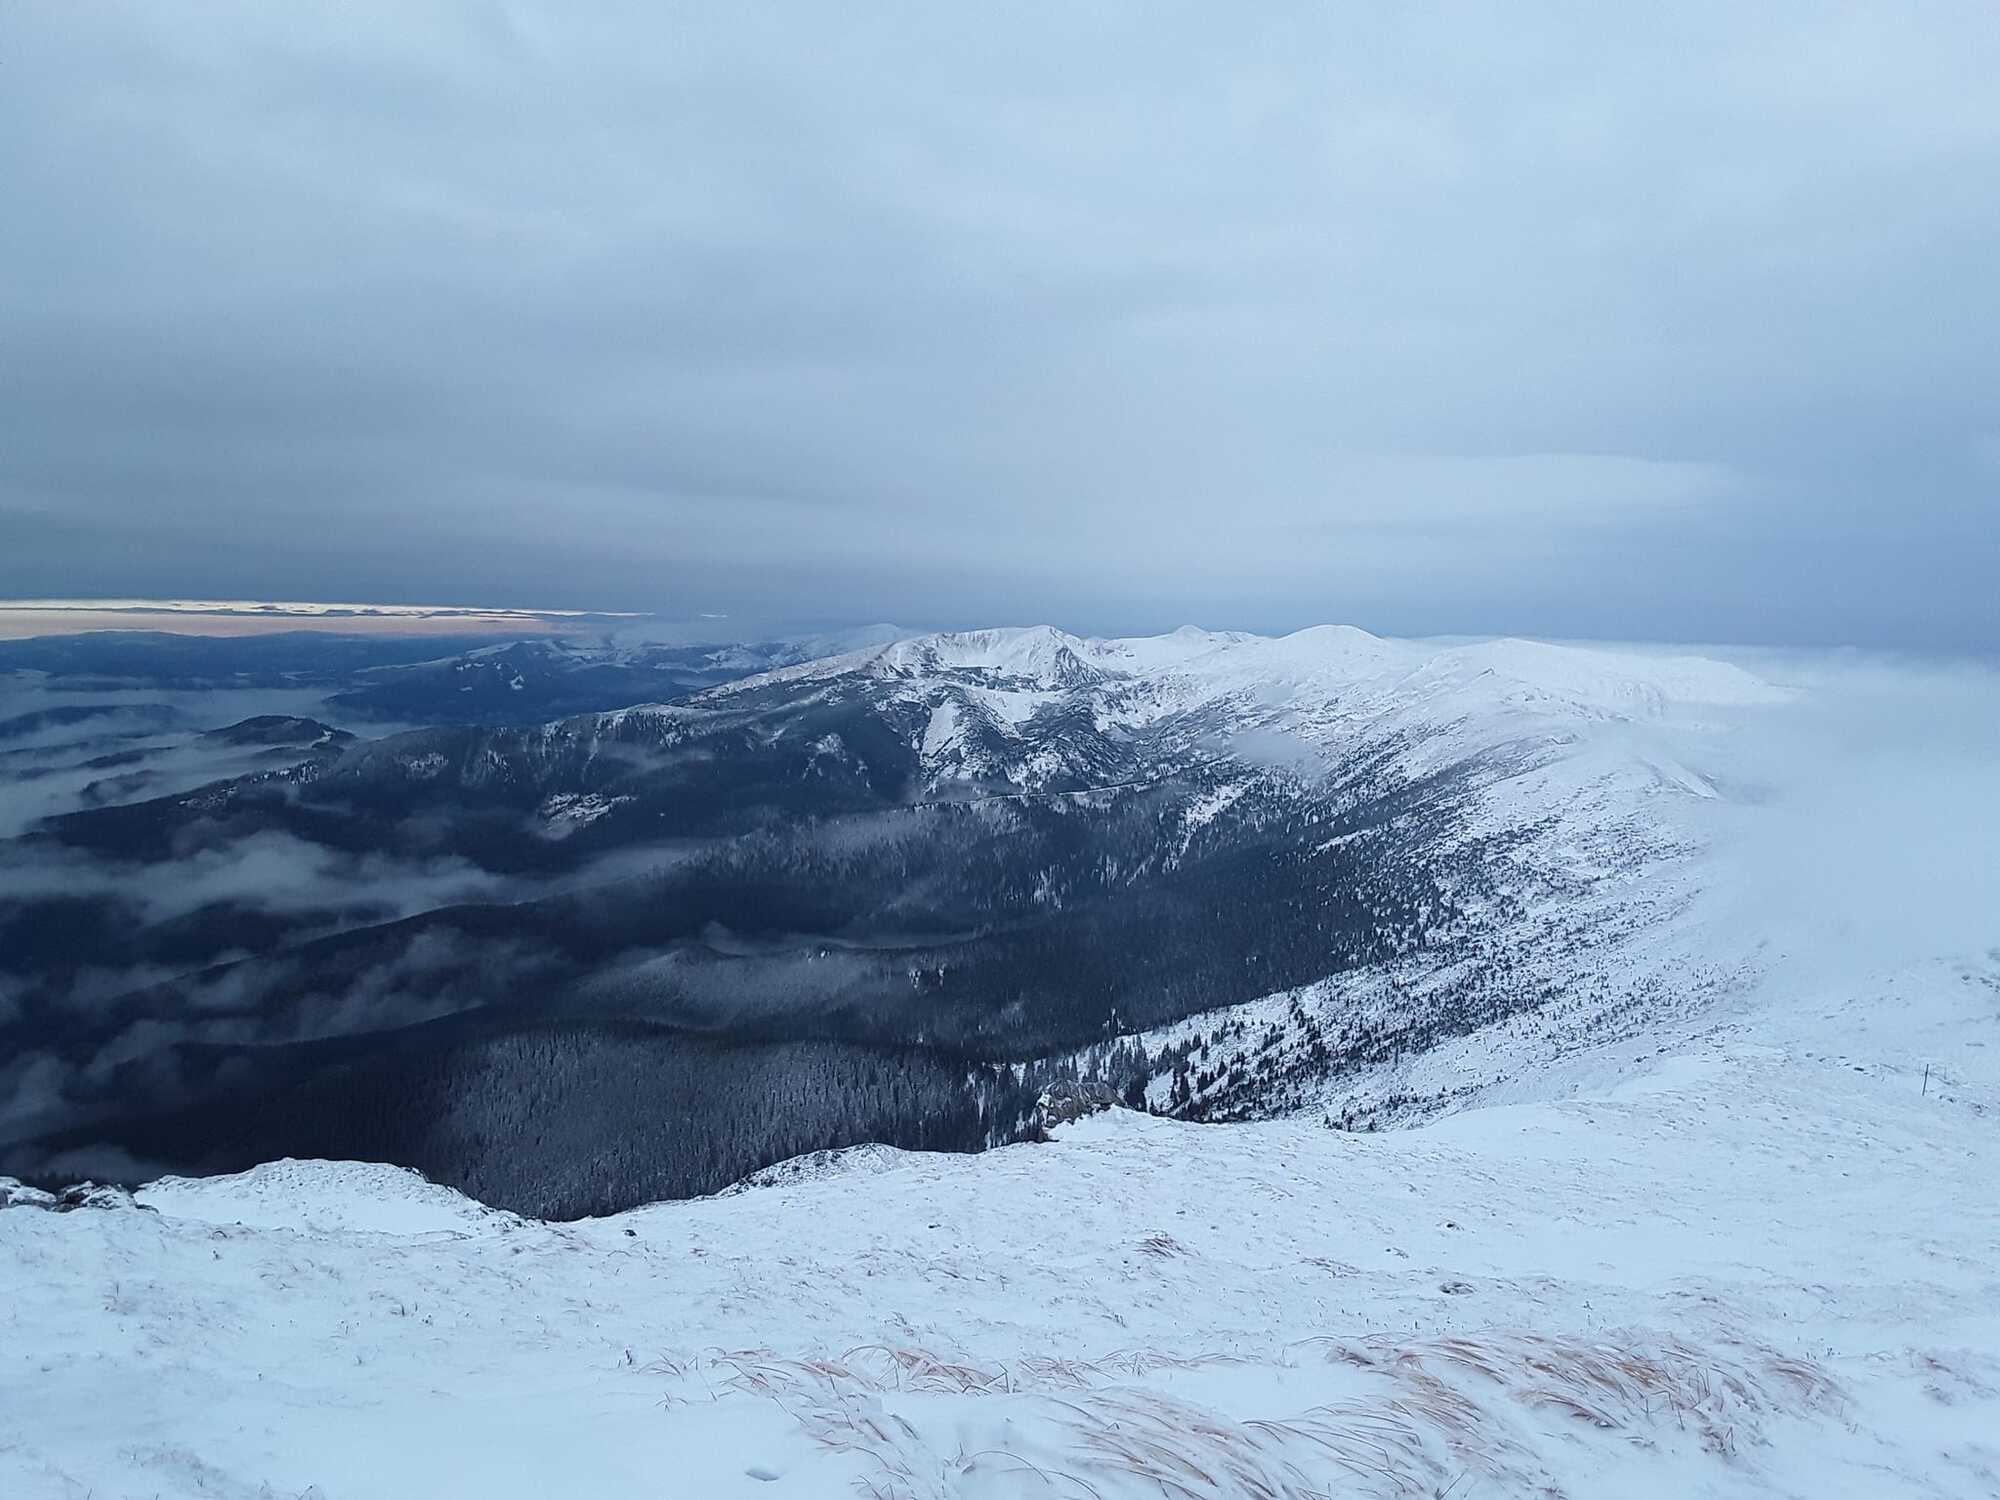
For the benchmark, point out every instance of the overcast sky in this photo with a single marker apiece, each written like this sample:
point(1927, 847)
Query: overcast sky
point(1674, 322)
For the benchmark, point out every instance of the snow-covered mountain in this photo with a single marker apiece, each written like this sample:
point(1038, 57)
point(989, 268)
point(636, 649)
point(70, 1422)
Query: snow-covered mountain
point(1603, 1043)
point(1002, 705)
point(1324, 874)
point(1037, 710)
point(525, 682)
point(1582, 782)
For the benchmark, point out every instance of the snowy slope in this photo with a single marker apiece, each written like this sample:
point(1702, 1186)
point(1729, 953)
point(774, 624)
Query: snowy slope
point(1752, 1258)
point(351, 1196)
point(1039, 709)
point(1589, 801)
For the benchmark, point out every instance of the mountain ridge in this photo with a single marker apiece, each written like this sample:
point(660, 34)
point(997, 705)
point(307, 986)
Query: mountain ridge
point(1234, 875)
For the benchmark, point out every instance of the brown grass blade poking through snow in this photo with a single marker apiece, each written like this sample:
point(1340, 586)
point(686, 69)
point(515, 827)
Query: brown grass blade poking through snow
point(1524, 1412)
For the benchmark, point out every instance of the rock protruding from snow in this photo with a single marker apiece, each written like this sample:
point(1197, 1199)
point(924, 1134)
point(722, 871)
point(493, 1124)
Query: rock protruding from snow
point(1071, 1099)
point(16, 1194)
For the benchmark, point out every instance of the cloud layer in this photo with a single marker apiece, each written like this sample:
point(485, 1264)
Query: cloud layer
point(1540, 320)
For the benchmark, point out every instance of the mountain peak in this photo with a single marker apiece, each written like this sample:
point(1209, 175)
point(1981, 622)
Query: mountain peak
point(1039, 655)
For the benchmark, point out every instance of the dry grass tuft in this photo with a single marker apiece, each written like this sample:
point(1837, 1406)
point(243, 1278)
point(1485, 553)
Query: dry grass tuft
point(1431, 1417)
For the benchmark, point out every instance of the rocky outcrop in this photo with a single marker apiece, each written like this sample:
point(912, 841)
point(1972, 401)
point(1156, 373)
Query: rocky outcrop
point(16, 1194)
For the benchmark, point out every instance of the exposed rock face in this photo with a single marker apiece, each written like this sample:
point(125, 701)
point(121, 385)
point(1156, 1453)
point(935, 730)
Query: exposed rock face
point(1062, 1102)
point(15, 1194)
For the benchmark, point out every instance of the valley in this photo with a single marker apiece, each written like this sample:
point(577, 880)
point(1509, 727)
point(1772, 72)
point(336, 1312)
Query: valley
point(1231, 876)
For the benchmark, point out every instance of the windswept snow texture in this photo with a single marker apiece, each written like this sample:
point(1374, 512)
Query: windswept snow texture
point(1751, 1256)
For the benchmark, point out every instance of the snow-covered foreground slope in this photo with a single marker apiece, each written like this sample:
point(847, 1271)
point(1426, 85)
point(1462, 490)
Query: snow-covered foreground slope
point(1755, 1255)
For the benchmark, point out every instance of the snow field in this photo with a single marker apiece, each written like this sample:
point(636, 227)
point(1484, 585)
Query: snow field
point(1759, 1262)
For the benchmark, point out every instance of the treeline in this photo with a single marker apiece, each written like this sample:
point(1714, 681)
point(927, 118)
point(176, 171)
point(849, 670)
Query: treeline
point(1075, 915)
point(567, 1121)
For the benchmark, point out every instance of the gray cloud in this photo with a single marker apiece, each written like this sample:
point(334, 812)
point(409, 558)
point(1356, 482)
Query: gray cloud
point(1556, 321)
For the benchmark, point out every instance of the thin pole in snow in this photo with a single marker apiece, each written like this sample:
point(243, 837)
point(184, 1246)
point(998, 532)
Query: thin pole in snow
point(1927, 1081)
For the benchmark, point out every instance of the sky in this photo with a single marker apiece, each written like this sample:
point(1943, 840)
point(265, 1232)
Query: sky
point(1545, 319)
